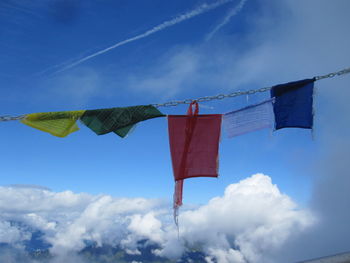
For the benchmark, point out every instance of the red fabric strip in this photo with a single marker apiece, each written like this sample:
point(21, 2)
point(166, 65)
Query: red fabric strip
point(194, 146)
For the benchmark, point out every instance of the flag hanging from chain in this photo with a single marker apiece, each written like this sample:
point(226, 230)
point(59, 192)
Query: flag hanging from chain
point(194, 146)
point(293, 104)
point(118, 120)
point(248, 119)
point(59, 124)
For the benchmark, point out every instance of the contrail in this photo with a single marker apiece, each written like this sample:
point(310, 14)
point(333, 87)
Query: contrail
point(198, 11)
point(234, 11)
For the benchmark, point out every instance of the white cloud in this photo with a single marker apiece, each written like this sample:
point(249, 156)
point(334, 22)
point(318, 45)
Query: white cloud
point(252, 217)
point(12, 234)
point(225, 256)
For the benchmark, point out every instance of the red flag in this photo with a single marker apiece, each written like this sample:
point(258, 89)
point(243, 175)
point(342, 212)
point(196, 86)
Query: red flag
point(194, 146)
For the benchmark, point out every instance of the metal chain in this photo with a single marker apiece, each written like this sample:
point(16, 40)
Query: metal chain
point(210, 98)
point(207, 98)
point(331, 75)
point(11, 118)
point(240, 93)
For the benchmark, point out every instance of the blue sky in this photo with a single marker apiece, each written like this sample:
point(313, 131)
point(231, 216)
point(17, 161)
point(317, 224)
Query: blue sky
point(48, 35)
point(262, 45)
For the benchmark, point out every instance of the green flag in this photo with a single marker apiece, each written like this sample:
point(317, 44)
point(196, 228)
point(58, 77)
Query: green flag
point(118, 120)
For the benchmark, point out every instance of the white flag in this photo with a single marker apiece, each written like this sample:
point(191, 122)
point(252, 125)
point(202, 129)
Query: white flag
point(248, 119)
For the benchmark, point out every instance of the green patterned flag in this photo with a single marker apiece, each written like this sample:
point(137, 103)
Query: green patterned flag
point(118, 120)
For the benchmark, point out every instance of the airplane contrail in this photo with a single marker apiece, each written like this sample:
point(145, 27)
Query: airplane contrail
point(234, 11)
point(198, 11)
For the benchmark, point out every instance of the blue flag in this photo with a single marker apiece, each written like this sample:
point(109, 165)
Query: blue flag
point(293, 104)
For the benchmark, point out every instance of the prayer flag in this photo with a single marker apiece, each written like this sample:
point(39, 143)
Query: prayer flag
point(248, 119)
point(59, 124)
point(293, 104)
point(118, 120)
point(194, 146)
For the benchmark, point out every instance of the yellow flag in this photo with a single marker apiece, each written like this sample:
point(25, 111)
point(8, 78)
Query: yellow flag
point(59, 124)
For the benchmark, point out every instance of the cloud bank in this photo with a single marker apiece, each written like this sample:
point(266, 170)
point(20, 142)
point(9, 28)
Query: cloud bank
point(249, 223)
